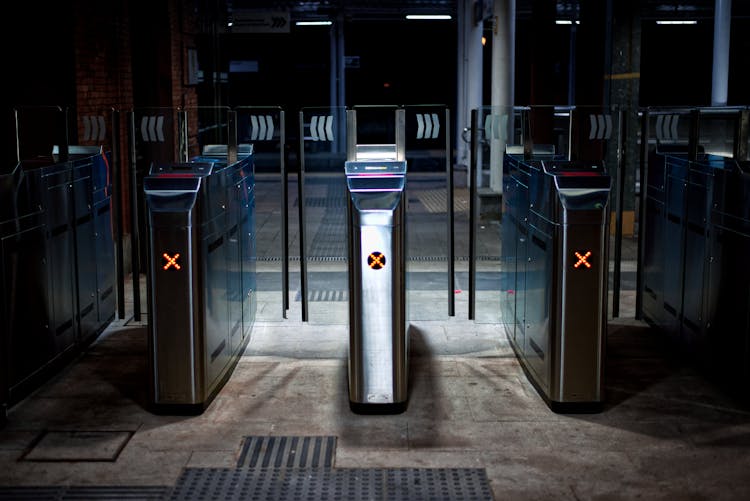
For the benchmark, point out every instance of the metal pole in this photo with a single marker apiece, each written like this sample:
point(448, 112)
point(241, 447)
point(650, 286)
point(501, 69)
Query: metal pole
point(643, 173)
point(117, 214)
point(618, 214)
point(301, 209)
point(473, 207)
point(743, 133)
point(351, 135)
point(182, 127)
point(720, 70)
point(503, 78)
point(451, 229)
point(401, 134)
point(231, 137)
point(64, 137)
point(528, 142)
point(570, 133)
point(18, 139)
point(134, 226)
point(284, 215)
point(694, 139)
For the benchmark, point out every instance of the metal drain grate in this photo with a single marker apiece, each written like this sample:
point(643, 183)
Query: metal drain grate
point(287, 452)
point(35, 493)
point(321, 295)
point(343, 484)
point(116, 493)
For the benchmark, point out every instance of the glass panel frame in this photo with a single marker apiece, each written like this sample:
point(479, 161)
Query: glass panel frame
point(585, 133)
point(429, 215)
point(264, 128)
point(324, 289)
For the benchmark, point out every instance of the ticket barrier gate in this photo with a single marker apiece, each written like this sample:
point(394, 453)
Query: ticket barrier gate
point(201, 279)
point(695, 242)
point(558, 262)
point(57, 276)
point(378, 342)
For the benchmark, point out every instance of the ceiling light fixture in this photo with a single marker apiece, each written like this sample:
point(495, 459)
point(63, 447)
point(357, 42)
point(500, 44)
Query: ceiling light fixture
point(427, 17)
point(682, 21)
point(313, 23)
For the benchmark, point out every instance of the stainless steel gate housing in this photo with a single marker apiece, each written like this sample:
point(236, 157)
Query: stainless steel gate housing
point(378, 342)
point(558, 261)
point(201, 279)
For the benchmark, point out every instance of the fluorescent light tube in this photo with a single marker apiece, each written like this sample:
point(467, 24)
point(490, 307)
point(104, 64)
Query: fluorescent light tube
point(440, 17)
point(684, 21)
point(313, 23)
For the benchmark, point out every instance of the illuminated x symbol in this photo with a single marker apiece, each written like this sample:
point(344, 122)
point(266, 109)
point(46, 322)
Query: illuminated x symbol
point(171, 261)
point(582, 260)
point(376, 260)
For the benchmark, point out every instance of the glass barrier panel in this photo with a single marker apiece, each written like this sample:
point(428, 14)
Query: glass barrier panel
point(39, 129)
point(428, 228)
point(323, 225)
point(264, 129)
point(499, 128)
point(206, 125)
point(717, 133)
point(669, 130)
point(154, 140)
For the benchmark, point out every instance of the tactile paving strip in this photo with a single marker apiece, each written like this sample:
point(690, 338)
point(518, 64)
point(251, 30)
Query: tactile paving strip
point(323, 295)
point(287, 452)
point(340, 484)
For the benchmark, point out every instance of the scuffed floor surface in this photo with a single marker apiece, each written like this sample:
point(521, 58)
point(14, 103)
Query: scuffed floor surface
point(665, 432)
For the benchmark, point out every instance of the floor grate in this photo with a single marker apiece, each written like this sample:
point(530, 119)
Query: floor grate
point(340, 484)
point(35, 493)
point(323, 295)
point(126, 493)
point(287, 452)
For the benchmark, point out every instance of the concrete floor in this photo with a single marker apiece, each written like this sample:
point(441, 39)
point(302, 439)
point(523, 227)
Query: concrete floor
point(665, 432)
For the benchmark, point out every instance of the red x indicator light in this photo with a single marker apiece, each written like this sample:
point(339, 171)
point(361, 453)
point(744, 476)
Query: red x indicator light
point(376, 260)
point(171, 261)
point(582, 259)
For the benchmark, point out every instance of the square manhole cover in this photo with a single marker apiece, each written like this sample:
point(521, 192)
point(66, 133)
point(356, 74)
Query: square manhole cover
point(78, 446)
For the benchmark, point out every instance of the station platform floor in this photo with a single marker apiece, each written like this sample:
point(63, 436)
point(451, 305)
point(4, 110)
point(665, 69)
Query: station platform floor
point(474, 428)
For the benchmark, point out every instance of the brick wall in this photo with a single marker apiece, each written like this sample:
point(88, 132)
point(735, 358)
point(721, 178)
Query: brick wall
point(103, 77)
point(104, 74)
point(183, 27)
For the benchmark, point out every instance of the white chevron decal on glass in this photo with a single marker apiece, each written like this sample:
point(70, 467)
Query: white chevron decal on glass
point(666, 127)
point(329, 127)
point(102, 127)
point(600, 126)
point(428, 126)
point(314, 128)
point(152, 128)
point(321, 128)
point(269, 127)
point(253, 127)
point(86, 128)
point(261, 127)
point(144, 129)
